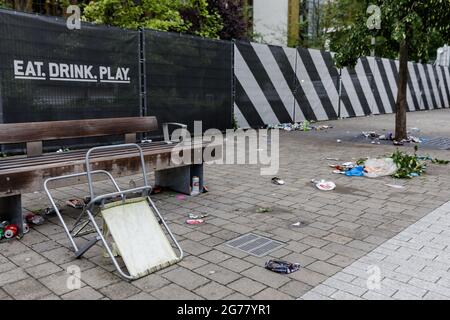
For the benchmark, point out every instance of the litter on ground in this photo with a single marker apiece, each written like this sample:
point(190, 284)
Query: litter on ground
point(280, 266)
point(263, 210)
point(304, 125)
point(324, 185)
point(197, 216)
point(389, 136)
point(298, 224)
point(75, 203)
point(194, 221)
point(398, 165)
point(278, 181)
point(395, 186)
point(374, 168)
point(34, 219)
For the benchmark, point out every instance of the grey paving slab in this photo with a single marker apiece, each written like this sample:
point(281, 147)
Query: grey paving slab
point(344, 231)
point(413, 276)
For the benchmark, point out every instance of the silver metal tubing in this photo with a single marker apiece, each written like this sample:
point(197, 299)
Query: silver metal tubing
point(167, 228)
point(88, 165)
point(49, 195)
point(114, 194)
point(83, 212)
point(108, 249)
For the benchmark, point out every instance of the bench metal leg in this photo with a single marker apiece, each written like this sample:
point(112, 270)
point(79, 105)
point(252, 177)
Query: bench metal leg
point(11, 210)
point(179, 179)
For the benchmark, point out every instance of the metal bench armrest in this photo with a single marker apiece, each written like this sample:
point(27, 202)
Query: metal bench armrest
point(165, 127)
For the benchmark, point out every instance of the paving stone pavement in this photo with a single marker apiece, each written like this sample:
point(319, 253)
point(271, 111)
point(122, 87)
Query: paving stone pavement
point(340, 228)
point(414, 264)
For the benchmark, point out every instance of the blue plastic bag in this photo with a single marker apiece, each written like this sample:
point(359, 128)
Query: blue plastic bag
point(355, 172)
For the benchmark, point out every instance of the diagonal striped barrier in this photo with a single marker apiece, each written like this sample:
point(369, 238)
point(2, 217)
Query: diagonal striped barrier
point(278, 85)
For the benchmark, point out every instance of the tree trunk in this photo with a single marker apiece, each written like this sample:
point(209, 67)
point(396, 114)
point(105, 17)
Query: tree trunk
point(401, 104)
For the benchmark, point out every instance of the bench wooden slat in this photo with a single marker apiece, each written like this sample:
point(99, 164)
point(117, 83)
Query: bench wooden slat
point(81, 153)
point(21, 162)
point(31, 178)
point(101, 155)
point(56, 130)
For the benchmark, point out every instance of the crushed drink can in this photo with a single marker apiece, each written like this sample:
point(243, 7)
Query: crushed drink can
point(35, 219)
point(25, 228)
point(10, 231)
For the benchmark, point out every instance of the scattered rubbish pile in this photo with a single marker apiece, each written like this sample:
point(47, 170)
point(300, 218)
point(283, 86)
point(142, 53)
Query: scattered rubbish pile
point(398, 165)
point(389, 136)
point(10, 230)
point(304, 125)
point(280, 266)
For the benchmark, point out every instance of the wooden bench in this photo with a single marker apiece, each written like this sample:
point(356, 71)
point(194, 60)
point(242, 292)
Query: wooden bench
point(26, 174)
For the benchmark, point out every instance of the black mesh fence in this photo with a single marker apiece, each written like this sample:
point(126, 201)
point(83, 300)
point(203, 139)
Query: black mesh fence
point(188, 79)
point(48, 72)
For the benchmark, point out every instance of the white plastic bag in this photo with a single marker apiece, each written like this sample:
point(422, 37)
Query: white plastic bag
point(374, 168)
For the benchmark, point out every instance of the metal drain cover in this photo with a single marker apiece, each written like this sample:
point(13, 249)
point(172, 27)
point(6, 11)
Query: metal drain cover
point(440, 143)
point(254, 244)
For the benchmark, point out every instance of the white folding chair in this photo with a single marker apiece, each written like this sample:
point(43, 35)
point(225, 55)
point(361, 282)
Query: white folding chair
point(135, 224)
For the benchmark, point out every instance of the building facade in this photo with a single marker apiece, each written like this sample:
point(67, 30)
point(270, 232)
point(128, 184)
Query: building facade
point(275, 21)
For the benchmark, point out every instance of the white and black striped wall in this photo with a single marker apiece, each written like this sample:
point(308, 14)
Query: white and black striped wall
point(280, 85)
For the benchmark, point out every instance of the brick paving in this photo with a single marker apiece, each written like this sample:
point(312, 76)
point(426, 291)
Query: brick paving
point(341, 229)
point(414, 264)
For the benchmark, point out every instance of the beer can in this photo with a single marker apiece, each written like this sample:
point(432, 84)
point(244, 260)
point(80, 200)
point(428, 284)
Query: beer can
point(10, 231)
point(25, 228)
point(195, 185)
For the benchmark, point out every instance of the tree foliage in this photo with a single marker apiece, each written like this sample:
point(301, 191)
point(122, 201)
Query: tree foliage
point(21, 5)
point(408, 27)
point(234, 18)
point(188, 16)
point(425, 23)
point(3, 4)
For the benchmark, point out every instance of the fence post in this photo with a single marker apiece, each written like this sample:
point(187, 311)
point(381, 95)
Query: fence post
point(142, 74)
point(295, 84)
point(233, 87)
point(340, 93)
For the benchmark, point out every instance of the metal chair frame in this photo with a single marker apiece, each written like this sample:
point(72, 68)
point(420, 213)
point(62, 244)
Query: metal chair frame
point(97, 202)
